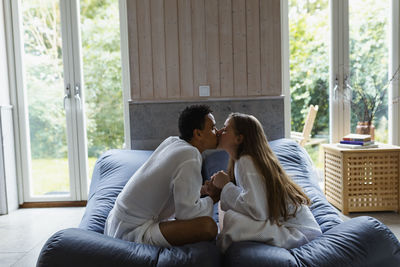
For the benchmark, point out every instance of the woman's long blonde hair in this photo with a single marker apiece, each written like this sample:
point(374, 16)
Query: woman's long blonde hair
point(280, 189)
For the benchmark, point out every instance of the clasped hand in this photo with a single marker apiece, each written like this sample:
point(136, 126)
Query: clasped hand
point(214, 186)
point(220, 179)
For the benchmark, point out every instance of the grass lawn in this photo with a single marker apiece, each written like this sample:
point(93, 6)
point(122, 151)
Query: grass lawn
point(51, 176)
point(316, 155)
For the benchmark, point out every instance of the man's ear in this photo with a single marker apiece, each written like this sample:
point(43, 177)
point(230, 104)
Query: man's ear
point(196, 133)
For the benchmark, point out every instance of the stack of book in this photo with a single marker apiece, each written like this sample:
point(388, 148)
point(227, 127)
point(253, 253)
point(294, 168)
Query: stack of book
point(357, 141)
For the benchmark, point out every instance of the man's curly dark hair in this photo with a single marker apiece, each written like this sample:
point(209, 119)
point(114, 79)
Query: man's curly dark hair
point(192, 117)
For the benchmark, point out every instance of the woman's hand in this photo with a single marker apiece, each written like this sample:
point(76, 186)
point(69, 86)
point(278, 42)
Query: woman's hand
point(220, 179)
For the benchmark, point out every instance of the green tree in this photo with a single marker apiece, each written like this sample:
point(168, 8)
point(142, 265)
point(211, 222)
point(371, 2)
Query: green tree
point(102, 75)
point(44, 78)
point(309, 59)
point(368, 61)
point(309, 62)
point(44, 73)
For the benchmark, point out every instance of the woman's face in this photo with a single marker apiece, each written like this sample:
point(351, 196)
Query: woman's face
point(228, 140)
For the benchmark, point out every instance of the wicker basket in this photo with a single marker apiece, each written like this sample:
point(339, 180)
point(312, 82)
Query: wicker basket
point(362, 179)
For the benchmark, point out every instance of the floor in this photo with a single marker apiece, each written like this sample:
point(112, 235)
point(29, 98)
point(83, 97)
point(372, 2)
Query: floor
point(24, 232)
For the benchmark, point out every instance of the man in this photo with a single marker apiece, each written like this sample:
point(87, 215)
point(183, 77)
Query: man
point(167, 184)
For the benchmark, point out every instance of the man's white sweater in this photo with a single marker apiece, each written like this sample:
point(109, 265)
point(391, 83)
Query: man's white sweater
point(167, 185)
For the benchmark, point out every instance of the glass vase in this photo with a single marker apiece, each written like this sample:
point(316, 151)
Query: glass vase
point(365, 127)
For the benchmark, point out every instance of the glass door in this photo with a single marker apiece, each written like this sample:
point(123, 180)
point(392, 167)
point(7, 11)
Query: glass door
point(42, 61)
point(309, 70)
point(339, 61)
point(369, 65)
point(359, 68)
point(101, 57)
point(72, 93)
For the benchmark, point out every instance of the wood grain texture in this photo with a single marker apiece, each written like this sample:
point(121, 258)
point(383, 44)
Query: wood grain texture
point(54, 204)
point(253, 48)
point(185, 45)
point(172, 48)
point(239, 47)
point(158, 48)
point(145, 50)
point(133, 49)
point(199, 45)
point(271, 69)
point(360, 180)
point(234, 46)
point(226, 53)
point(212, 46)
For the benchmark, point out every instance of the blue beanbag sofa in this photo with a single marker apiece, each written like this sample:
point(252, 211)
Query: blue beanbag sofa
point(361, 241)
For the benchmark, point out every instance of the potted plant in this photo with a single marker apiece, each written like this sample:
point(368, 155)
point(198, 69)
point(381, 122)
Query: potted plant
point(367, 101)
point(365, 105)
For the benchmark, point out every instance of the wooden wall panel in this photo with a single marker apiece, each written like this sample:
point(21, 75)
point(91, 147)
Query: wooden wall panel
point(171, 48)
point(253, 47)
point(185, 45)
point(145, 53)
point(234, 46)
point(212, 46)
point(271, 78)
point(239, 47)
point(158, 48)
point(226, 48)
point(133, 50)
point(199, 45)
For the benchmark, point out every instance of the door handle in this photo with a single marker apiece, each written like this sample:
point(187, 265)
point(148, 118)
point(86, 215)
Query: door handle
point(77, 95)
point(336, 88)
point(67, 94)
point(348, 90)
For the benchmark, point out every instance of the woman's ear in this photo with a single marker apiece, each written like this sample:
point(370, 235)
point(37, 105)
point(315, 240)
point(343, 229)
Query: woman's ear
point(239, 139)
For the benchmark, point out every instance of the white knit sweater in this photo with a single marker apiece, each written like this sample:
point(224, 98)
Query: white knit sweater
point(247, 217)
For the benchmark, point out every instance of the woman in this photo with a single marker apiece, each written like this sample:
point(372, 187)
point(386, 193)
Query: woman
point(261, 202)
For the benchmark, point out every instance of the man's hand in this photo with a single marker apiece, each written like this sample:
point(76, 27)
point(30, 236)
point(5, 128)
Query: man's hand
point(203, 189)
point(220, 179)
point(209, 189)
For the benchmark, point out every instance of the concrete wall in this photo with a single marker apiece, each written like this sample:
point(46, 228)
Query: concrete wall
point(152, 122)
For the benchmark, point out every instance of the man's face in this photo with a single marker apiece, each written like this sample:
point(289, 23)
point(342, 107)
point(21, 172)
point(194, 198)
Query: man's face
point(209, 133)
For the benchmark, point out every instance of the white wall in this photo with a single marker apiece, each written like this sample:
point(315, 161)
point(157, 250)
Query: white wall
point(4, 85)
point(394, 89)
point(8, 178)
point(8, 181)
